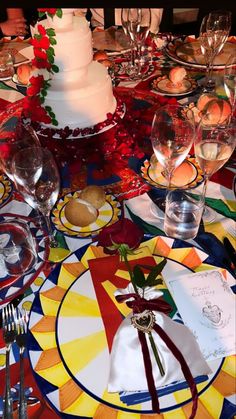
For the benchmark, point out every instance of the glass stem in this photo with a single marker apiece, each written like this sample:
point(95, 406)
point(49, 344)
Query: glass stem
point(52, 241)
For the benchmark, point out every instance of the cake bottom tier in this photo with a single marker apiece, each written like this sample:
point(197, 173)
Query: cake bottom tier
point(82, 103)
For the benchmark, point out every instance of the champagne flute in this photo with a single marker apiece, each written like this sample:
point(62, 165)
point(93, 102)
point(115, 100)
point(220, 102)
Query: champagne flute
point(23, 137)
point(214, 32)
point(214, 144)
point(141, 31)
point(128, 21)
point(172, 135)
point(37, 178)
point(230, 80)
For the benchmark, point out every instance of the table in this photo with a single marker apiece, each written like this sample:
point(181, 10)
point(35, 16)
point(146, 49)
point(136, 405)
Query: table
point(131, 190)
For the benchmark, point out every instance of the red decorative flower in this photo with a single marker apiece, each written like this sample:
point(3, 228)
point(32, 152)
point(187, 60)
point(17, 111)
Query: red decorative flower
point(36, 83)
point(41, 63)
point(50, 11)
point(122, 233)
point(38, 53)
point(42, 30)
point(43, 42)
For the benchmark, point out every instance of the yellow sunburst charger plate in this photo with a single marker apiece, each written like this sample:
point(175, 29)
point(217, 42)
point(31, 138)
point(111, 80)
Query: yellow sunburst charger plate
point(187, 174)
point(66, 320)
point(108, 214)
point(5, 189)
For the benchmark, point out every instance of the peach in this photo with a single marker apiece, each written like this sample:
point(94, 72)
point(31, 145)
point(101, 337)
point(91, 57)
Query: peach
point(216, 111)
point(204, 99)
point(23, 73)
point(100, 55)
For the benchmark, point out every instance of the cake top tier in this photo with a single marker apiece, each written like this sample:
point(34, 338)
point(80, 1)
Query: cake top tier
point(63, 22)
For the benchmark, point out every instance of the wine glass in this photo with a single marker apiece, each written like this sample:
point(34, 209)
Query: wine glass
point(172, 136)
point(37, 178)
point(214, 31)
point(24, 136)
point(136, 22)
point(230, 80)
point(214, 144)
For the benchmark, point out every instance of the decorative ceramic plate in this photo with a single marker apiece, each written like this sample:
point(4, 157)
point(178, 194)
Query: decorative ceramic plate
point(5, 189)
point(163, 86)
point(107, 214)
point(187, 174)
point(11, 286)
point(70, 337)
point(188, 52)
point(16, 81)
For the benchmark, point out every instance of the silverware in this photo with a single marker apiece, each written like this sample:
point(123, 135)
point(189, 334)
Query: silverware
point(21, 327)
point(9, 334)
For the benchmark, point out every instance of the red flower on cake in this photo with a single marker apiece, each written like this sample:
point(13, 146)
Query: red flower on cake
point(42, 30)
point(40, 54)
point(43, 42)
point(41, 63)
point(36, 83)
point(50, 11)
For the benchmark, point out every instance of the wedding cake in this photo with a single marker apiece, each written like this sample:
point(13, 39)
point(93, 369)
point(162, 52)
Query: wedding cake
point(80, 94)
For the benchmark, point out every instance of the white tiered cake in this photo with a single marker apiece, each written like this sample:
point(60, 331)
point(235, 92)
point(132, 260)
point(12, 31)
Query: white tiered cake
point(81, 93)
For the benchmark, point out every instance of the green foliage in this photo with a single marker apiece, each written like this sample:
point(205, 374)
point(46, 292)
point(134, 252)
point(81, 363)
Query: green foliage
point(152, 279)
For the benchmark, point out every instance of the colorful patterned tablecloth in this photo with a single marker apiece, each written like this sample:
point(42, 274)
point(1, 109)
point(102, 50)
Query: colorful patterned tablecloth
point(123, 149)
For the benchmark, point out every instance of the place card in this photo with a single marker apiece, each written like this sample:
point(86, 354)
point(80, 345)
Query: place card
point(207, 306)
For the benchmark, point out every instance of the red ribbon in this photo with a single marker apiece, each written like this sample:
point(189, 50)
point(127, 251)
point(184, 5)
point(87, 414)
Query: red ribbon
point(138, 305)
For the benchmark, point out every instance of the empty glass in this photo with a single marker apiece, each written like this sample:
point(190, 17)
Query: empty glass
point(17, 248)
point(6, 65)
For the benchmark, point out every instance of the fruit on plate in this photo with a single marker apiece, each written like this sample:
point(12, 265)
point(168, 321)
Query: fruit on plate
point(80, 213)
point(100, 55)
point(177, 74)
point(23, 73)
point(204, 99)
point(216, 111)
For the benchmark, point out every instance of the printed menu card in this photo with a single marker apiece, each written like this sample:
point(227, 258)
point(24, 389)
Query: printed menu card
point(207, 306)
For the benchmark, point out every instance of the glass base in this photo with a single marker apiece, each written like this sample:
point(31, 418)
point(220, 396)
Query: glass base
point(158, 207)
point(208, 215)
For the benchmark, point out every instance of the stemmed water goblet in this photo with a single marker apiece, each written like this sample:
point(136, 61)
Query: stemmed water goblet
point(37, 178)
point(172, 135)
point(23, 137)
point(214, 144)
point(214, 31)
point(230, 80)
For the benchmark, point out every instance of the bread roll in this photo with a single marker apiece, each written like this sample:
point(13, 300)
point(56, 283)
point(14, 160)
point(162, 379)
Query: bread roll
point(95, 195)
point(177, 74)
point(79, 212)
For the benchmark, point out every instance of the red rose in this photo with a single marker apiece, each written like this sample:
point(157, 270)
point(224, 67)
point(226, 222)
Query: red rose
point(50, 11)
point(42, 30)
point(43, 43)
point(40, 54)
point(35, 85)
point(123, 232)
point(41, 63)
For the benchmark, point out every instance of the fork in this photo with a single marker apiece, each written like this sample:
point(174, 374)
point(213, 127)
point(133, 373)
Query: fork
point(9, 335)
point(21, 327)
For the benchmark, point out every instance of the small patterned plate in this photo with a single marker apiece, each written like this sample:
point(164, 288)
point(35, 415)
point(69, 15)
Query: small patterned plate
point(187, 174)
point(5, 189)
point(107, 214)
point(164, 86)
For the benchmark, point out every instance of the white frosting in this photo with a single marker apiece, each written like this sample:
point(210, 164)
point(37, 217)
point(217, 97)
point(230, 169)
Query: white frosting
point(81, 93)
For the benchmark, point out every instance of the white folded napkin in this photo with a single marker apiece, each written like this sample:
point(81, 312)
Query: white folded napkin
point(127, 371)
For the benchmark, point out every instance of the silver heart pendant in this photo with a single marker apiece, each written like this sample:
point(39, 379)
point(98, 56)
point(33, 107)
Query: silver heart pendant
point(143, 321)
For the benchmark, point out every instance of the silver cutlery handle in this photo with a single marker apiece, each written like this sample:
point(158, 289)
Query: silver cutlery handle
point(23, 404)
point(8, 403)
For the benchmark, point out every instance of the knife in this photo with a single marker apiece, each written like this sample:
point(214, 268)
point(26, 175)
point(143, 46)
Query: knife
point(230, 250)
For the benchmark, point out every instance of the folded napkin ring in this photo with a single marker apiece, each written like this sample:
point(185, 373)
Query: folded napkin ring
point(144, 321)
